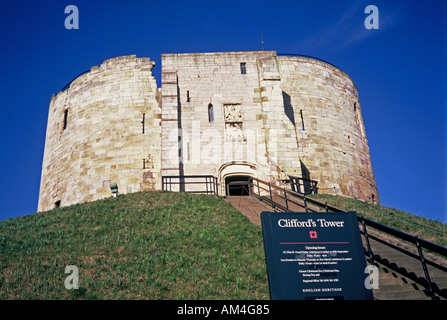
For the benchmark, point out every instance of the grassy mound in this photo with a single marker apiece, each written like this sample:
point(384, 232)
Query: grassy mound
point(146, 245)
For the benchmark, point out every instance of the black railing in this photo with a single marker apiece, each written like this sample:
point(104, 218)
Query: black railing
point(270, 193)
point(412, 240)
point(191, 184)
point(283, 197)
point(303, 186)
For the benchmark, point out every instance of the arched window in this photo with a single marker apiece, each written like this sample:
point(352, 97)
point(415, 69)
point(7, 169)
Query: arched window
point(210, 113)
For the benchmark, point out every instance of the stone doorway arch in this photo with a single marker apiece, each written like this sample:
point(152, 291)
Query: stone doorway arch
point(235, 171)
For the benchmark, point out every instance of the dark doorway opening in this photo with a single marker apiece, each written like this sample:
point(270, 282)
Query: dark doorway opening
point(237, 186)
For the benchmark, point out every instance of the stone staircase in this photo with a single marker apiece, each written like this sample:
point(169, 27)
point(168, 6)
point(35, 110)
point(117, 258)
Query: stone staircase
point(392, 284)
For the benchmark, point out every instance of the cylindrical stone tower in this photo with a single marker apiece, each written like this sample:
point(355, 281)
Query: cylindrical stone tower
point(104, 129)
point(332, 142)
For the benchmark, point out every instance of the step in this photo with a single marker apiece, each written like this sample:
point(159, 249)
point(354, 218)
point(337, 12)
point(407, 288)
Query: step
point(409, 263)
point(393, 286)
point(399, 294)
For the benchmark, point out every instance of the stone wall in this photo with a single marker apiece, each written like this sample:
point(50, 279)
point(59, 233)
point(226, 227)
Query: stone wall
point(223, 112)
point(276, 115)
point(226, 114)
point(333, 146)
point(95, 135)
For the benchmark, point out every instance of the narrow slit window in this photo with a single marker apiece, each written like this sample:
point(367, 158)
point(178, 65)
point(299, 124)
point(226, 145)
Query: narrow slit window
point(144, 163)
point(143, 122)
point(243, 68)
point(65, 118)
point(188, 98)
point(302, 120)
point(188, 151)
point(210, 113)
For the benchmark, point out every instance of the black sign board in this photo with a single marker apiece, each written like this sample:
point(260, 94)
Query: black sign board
point(314, 256)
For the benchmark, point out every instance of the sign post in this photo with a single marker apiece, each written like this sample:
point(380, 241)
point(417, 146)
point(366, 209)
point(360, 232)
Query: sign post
point(314, 256)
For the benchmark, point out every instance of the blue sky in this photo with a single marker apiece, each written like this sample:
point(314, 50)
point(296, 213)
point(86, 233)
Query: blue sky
point(399, 70)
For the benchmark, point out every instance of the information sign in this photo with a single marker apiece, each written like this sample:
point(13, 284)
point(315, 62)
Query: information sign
point(314, 256)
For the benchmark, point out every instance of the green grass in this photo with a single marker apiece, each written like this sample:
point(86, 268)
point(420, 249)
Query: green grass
point(147, 245)
point(154, 245)
point(430, 230)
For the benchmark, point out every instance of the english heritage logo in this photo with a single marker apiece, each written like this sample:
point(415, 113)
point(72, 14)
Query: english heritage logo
point(313, 234)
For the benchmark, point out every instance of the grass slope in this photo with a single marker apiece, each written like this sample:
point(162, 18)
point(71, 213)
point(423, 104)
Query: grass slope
point(154, 245)
point(147, 245)
point(430, 230)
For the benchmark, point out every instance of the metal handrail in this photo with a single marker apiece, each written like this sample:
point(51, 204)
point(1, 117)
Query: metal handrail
point(419, 243)
point(309, 185)
point(210, 182)
point(303, 197)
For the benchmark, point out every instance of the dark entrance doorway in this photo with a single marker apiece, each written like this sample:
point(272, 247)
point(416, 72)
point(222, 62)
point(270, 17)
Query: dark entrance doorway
point(237, 186)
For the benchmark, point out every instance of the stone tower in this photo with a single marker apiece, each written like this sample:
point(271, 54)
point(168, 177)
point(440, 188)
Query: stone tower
point(103, 129)
point(251, 114)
